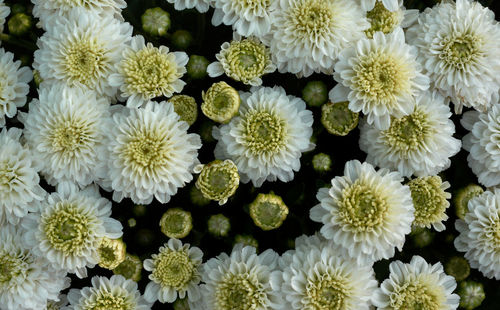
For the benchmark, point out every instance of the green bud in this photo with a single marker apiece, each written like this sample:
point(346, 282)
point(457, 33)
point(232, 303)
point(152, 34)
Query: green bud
point(155, 21)
point(197, 67)
point(315, 93)
point(246, 240)
point(182, 39)
point(130, 268)
point(338, 119)
point(322, 162)
point(131, 222)
point(139, 210)
point(268, 211)
point(457, 267)
point(462, 198)
point(422, 237)
point(185, 107)
point(218, 225)
point(218, 180)
point(471, 294)
point(19, 24)
point(176, 223)
point(197, 197)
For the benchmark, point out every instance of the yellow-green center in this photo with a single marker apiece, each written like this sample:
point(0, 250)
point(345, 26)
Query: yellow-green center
point(239, 292)
point(461, 51)
point(381, 19)
point(173, 269)
point(264, 132)
point(429, 200)
point(327, 293)
point(85, 61)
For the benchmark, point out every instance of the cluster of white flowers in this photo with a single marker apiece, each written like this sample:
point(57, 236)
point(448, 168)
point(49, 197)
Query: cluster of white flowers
point(108, 114)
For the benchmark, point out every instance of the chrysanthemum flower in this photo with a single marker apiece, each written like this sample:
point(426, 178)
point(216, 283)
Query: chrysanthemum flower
point(4, 12)
point(151, 153)
point(366, 213)
point(481, 142)
point(430, 200)
point(240, 280)
point(247, 17)
point(130, 268)
point(420, 143)
point(218, 180)
point(318, 278)
point(417, 285)
point(111, 253)
point(308, 35)
point(480, 234)
point(268, 211)
point(108, 293)
point(458, 44)
point(383, 76)
point(266, 139)
point(27, 281)
point(462, 196)
point(69, 228)
point(82, 50)
point(176, 223)
point(386, 16)
point(66, 129)
point(147, 72)
point(220, 102)
point(245, 60)
point(175, 271)
point(13, 84)
point(19, 180)
point(48, 11)
point(201, 5)
point(185, 107)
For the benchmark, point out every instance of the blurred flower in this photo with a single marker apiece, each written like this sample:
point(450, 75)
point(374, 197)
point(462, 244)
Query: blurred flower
point(155, 21)
point(218, 225)
point(471, 294)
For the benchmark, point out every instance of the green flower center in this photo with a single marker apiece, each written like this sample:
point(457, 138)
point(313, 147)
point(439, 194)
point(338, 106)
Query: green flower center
point(327, 293)
point(382, 19)
point(313, 18)
point(9, 177)
point(460, 51)
point(361, 208)
point(429, 200)
point(268, 211)
point(218, 180)
point(264, 132)
point(173, 269)
point(147, 150)
point(109, 301)
point(493, 232)
point(176, 223)
point(338, 119)
point(239, 292)
point(247, 59)
point(409, 133)
point(420, 294)
point(85, 61)
point(67, 228)
point(70, 136)
point(11, 267)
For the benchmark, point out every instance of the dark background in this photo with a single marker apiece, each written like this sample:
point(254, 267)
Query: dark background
point(145, 237)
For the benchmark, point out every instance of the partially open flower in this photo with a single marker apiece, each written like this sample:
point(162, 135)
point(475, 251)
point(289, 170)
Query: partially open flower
point(220, 102)
point(176, 223)
point(268, 211)
point(218, 180)
point(111, 253)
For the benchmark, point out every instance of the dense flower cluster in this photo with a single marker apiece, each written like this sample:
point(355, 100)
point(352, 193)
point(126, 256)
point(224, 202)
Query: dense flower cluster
point(118, 116)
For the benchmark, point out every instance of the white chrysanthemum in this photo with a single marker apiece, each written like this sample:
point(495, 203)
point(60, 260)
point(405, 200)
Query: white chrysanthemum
point(482, 144)
point(108, 294)
point(266, 139)
point(147, 72)
point(151, 153)
point(247, 17)
point(48, 11)
point(82, 50)
point(420, 143)
point(27, 281)
point(383, 76)
point(240, 280)
point(69, 228)
point(308, 35)
point(391, 5)
point(13, 84)
point(318, 278)
point(66, 129)
point(459, 44)
point(245, 60)
point(366, 213)
point(175, 271)
point(480, 234)
point(381, 18)
point(201, 5)
point(19, 180)
point(417, 285)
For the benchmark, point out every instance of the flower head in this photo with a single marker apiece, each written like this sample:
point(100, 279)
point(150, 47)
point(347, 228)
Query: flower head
point(155, 21)
point(130, 268)
point(175, 271)
point(218, 225)
point(176, 223)
point(218, 180)
point(220, 102)
point(268, 211)
point(266, 139)
point(185, 107)
point(386, 16)
point(462, 197)
point(111, 253)
point(147, 72)
point(366, 213)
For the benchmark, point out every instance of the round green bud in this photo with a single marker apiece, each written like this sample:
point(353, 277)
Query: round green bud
point(268, 211)
point(338, 119)
point(322, 162)
point(181, 304)
point(197, 197)
point(197, 67)
point(176, 223)
point(155, 21)
point(182, 39)
point(206, 129)
point(185, 107)
point(315, 93)
point(246, 240)
point(471, 294)
point(421, 237)
point(111, 253)
point(462, 198)
point(218, 180)
point(457, 267)
point(37, 78)
point(218, 225)
point(139, 210)
point(220, 102)
point(19, 24)
point(131, 222)
point(130, 268)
